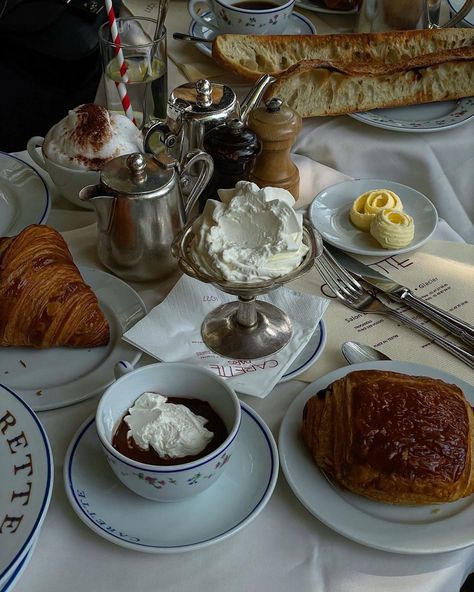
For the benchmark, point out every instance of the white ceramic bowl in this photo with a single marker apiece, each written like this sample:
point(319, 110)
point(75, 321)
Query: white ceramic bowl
point(68, 181)
point(172, 482)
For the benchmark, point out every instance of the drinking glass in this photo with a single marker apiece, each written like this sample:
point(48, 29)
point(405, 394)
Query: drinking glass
point(144, 54)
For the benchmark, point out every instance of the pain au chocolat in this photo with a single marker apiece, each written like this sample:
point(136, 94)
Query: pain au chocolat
point(44, 301)
point(394, 438)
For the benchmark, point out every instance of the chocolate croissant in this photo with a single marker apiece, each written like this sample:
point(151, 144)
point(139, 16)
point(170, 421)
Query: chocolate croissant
point(44, 302)
point(394, 438)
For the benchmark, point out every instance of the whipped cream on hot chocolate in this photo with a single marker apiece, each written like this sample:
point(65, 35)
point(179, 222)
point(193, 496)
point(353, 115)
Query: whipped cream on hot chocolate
point(172, 430)
point(253, 234)
point(89, 136)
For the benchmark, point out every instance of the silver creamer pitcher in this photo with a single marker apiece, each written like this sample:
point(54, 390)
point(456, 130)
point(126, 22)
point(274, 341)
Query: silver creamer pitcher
point(140, 208)
point(396, 15)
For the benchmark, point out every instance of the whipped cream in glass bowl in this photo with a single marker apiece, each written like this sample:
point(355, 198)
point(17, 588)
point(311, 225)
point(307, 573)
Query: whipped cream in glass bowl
point(250, 243)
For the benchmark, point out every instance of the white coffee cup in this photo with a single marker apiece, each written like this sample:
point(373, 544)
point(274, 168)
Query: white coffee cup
point(244, 17)
point(68, 181)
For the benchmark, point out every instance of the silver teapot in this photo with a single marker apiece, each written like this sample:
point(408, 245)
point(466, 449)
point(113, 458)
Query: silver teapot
point(193, 109)
point(140, 208)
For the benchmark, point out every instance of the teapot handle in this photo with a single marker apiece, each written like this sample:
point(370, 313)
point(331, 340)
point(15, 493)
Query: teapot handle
point(203, 178)
point(166, 136)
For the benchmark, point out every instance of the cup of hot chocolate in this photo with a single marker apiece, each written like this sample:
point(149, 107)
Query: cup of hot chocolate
point(76, 148)
point(243, 17)
point(168, 430)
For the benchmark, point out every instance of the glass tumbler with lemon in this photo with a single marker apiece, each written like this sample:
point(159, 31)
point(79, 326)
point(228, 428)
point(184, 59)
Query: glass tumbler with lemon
point(145, 78)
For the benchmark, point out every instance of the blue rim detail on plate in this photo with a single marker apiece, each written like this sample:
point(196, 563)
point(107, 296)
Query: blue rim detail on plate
point(468, 19)
point(19, 569)
point(204, 48)
point(462, 112)
point(108, 535)
point(49, 482)
point(47, 206)
point(319, 348)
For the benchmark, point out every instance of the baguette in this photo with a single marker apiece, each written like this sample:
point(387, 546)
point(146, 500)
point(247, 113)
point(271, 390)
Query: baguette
point(315, 87)
point(251, 56)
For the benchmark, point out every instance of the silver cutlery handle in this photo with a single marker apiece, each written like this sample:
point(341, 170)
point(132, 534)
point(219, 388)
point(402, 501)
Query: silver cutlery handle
point(449, 346)
point(463, 330)
point(186, 37)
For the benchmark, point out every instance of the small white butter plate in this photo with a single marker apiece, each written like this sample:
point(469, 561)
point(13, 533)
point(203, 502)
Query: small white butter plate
point(113, 512)
point(329, 214)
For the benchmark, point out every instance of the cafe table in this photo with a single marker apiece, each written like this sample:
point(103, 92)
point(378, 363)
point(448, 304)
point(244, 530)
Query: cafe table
point(285, 547)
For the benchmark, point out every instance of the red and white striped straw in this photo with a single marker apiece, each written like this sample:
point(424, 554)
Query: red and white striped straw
point(121, 86)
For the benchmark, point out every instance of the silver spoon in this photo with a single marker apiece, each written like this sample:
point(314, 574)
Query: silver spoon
point(186, 37)
point(355, 353)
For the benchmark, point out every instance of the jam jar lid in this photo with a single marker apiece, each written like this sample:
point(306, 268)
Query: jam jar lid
point(202, 97)
point(137, 174)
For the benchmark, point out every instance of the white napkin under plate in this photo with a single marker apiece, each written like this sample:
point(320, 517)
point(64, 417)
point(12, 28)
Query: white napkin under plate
point(160, 335)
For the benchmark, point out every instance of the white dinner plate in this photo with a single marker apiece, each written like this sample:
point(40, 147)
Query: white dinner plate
point(24, 196)
point(18, 570)
point(57, 377)
point(309, 354)
point(113, 512)
point(329, 214)
point(319, 6)
point(26, 480)
point(434, 528)
point(429, 117)
point(298, 25)
point(455, 6)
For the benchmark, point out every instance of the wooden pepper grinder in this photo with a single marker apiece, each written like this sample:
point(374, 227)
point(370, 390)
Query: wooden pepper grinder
point(277, 127)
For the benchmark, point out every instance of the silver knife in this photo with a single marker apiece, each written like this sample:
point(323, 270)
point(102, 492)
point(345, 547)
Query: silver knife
point(399, 293)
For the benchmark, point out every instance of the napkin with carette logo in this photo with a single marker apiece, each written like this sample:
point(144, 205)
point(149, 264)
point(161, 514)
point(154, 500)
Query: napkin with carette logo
point(159, 335)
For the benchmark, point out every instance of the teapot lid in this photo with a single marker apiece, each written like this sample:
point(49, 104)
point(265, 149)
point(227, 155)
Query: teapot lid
point(136, 174)
point(202, 97)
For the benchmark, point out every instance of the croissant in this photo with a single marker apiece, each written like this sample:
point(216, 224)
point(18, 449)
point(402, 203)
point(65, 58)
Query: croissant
point(392, 437)
point(44, 302)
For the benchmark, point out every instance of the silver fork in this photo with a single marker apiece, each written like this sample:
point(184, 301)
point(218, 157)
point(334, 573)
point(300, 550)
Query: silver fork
point(354, 295)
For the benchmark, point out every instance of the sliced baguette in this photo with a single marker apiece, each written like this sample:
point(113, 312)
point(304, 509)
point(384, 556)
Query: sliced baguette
point(251, 56)
point(315, 87)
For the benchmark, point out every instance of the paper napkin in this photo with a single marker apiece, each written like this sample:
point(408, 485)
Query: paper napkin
point(171, 332)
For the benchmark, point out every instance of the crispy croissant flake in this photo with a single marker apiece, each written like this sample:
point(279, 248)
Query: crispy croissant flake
point(44, 302)
point(394, 438)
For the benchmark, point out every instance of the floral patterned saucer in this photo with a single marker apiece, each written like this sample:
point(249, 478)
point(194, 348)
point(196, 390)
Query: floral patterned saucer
point(298, 25)
point(113, 512)
point(430, 117)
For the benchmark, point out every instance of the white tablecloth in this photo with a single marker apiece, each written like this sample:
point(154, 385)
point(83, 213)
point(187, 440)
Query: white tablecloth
point(285, 547)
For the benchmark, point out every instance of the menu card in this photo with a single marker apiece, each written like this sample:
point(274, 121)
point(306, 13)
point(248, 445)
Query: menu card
point(440, 272)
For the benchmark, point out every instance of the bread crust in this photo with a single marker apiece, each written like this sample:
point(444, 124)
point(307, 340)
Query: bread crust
point(318, 88)
point(250, 56)
point(392, 437)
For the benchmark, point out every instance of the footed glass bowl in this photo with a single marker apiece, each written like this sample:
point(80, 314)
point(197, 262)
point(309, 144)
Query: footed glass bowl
point(247, 328)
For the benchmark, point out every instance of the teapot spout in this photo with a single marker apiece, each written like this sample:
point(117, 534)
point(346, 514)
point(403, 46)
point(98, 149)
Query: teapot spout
point(102, 203)
point(252, 100)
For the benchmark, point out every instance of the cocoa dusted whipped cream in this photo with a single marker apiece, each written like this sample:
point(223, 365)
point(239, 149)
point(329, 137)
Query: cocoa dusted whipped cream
point(89, 136)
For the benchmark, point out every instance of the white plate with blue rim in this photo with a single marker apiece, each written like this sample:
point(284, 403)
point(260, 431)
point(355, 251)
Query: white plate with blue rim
point(329, 214)
point(309, 354)
point(298, 25)
point(18, 569)
point(61, 376)
point(24, 196)
point(413, 530)
point(26, 478)
point(429, 117)
point(320, 6)
point(113, 512)
point(455, 6)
